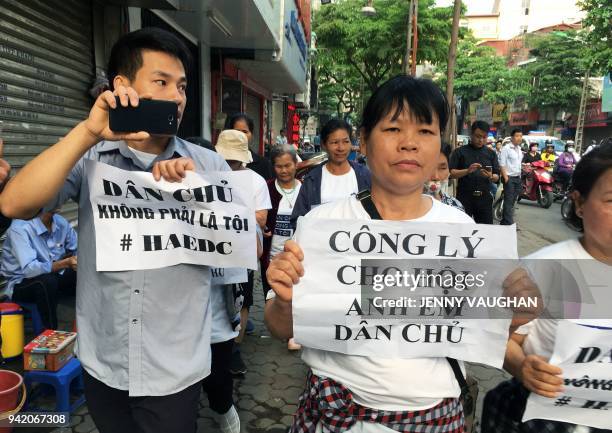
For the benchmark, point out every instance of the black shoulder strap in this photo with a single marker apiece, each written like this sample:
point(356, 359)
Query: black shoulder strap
point(458, 373)
point(365, 197)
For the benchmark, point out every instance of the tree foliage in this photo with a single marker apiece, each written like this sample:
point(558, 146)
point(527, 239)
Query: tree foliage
point(340, 86)
point(598, 25)
point(357, 53)
point(480, 74)
point(558, 70)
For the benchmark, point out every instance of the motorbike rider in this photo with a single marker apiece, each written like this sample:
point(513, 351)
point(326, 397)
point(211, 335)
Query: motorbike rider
point(564, 166)
point(533, 154)
point(549, 154)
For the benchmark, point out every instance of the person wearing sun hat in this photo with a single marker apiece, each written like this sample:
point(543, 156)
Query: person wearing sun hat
point(233, 146)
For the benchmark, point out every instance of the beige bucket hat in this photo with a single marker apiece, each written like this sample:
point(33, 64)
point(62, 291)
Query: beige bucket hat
point(233, 145)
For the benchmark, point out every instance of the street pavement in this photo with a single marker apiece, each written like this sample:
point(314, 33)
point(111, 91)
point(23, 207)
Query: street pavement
point(267, 395)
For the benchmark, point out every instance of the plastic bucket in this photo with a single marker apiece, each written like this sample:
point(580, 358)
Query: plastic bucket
point(10, 384)
point(12, 330)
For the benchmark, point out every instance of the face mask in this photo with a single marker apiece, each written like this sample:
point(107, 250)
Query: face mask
point(570, 149)
point(432, 187)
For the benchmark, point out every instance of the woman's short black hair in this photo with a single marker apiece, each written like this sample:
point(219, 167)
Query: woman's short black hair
point(126, 55)
point(231, 121)
point(332, 126)
point(421, 96)
point(589, 169)
point(278, 151)
point(446, 150)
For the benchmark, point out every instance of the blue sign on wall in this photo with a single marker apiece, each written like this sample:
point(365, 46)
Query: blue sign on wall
point(606, 97)
point(293, 27)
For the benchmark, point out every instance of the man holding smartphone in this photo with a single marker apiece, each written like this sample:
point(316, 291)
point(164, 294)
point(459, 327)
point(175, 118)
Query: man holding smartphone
point(510, 161)
point(476, 166)
point(144, 336)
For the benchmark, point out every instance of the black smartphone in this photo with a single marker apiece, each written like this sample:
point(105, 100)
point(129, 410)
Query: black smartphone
point(489, 168)
point(154, 116)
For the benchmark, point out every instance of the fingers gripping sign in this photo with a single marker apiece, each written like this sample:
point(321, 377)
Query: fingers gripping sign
point(541, 377)
point(172, 170)
point(285, 270)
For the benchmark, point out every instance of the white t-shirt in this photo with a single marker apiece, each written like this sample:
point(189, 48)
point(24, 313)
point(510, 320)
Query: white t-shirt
point(540, 333)
point(383, 383)
point(221, 326)
point(260, 192)
point(337, 187)
point(282, 228)
point(145, 158)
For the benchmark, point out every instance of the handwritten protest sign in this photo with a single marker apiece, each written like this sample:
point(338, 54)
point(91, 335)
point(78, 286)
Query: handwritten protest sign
point(585, 356)
point(345, 302)
point(207, 219)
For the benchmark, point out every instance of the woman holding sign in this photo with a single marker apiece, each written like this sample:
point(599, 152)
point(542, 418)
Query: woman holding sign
point(531, 347)
point(284, 190)
point(402, 125)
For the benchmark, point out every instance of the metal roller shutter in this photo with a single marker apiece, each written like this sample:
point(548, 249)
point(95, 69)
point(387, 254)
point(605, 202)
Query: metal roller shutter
point(46, 71)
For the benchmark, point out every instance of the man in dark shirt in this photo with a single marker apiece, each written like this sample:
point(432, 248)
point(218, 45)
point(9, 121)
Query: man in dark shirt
point(476, 166)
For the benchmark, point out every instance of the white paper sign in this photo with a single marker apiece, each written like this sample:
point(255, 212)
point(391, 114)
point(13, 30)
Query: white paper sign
point(207, 219)
point(222, 276)
point(585, 356)
point(328, 307)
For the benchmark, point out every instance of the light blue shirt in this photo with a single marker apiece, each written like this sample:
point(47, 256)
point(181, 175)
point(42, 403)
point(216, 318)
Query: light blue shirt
point(146, 331)
point(30, 249)
point(511, 157)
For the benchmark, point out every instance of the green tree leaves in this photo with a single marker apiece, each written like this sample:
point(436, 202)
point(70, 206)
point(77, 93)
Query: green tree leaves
point(598, 23)
point(358, 53)
point(558, 70)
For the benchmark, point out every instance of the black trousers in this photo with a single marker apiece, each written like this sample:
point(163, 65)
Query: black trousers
point(478, 207)
point(219, 385)
point(512, 189)
point(113, 411)
point(44, 291)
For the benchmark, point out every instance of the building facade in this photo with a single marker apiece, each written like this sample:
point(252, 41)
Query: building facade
point(55, 53)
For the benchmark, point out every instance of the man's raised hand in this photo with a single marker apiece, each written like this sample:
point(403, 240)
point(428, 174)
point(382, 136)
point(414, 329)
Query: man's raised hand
point(97, 123)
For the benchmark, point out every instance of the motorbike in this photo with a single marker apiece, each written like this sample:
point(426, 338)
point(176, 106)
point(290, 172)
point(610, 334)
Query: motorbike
point(566, 211)
point(537, 184)
point(559, 188)
point(566, 207)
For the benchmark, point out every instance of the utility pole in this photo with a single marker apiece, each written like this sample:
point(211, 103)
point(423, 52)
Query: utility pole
point(582, 113)
point(451, 130)
point(411, 39)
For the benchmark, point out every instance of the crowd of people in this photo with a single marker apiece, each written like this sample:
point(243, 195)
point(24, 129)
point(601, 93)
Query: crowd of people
point(145, 364)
